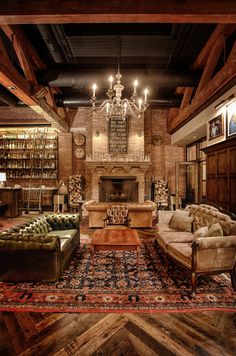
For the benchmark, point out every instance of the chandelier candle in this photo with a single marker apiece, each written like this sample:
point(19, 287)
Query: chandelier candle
point(115, 105)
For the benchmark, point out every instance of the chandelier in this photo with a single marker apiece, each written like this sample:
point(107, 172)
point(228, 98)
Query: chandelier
point(115, 105)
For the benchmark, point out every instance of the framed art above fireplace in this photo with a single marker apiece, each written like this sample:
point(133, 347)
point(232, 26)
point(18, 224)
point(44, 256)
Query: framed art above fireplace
point(118, 135)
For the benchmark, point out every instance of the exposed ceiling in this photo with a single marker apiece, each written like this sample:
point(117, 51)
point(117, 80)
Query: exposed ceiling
point(159, 55)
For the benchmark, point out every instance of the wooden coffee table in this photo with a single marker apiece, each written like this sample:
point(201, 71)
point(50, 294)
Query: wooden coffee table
point(115, 240)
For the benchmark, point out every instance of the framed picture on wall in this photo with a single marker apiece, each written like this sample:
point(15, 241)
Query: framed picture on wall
point(216, 127)
point(231, 119)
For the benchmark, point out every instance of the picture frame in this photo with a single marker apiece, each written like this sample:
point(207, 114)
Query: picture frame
point(216, 127)
point(231, 119)
point(118, 135)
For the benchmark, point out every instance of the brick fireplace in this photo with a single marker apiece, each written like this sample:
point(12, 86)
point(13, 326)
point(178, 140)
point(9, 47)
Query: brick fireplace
point(118, 189)
point(121, 170)
point(122, 165)
point(161, 162)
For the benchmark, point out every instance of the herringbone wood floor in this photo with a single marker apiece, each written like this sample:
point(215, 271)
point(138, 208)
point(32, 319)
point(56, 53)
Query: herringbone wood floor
point(205, 333)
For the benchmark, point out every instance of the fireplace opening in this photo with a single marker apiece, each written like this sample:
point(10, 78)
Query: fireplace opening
point(118, 189)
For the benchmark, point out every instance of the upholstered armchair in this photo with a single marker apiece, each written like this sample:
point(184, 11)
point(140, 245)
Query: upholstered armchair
point(117, 215)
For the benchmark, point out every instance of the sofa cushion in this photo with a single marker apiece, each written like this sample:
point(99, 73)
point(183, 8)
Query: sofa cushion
point(164, 228)
point(63, 222)
point(65, 234)
point(166, 238)
point(181, 252)
point(181, 221)
point(215, 230)
point(201, 232)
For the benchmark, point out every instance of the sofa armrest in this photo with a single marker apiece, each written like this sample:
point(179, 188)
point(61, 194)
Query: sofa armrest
point(214, 242)
point(211, 254)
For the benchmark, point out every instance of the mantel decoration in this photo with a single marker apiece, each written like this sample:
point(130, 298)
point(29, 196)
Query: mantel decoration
point(79, 139)
point(115, 105)
point(79, 153)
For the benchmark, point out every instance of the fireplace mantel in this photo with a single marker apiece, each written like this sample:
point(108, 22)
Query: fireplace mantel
point(115, 168)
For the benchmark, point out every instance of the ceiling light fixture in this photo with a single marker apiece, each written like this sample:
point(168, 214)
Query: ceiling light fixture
point(115, 105)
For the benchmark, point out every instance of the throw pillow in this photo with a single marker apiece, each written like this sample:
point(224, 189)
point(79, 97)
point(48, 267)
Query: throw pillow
point(232, 230)
point(215, 230)
point(180, 221)
point(201, 232)
point(226, 226)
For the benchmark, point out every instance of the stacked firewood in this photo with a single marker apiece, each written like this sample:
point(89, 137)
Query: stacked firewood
point(75, 189)
point(161, 195)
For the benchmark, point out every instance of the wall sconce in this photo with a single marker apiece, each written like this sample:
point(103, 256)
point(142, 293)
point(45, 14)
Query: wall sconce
point(225, 101)
point(97, 133)
point(139, 133)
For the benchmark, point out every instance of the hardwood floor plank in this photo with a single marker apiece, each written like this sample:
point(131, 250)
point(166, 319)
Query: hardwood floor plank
point(17, 336)
point(141, 348)
point(118, 344)
point(49, 319)
point(65, 334)
point(147, 338)
point(27, 325)
point(167, 342)
point(6, 346)
point(223, 335)
point(185, 334)
point(94, 337)
point(61, 333)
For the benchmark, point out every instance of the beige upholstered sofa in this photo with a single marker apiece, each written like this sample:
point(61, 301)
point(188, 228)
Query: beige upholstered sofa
point(140, 214)
point(201, 239)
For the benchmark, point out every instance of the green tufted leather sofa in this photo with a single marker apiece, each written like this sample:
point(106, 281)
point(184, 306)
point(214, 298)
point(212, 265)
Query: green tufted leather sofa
point(40, 249)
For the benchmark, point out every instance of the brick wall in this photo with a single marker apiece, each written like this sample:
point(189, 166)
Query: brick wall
point(154, 141)
point(163, 155)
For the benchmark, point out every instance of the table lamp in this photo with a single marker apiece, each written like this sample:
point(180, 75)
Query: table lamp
point(3, 178)
point(62, 190)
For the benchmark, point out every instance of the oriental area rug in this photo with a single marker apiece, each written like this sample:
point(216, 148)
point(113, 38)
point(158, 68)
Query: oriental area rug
point(120, 287)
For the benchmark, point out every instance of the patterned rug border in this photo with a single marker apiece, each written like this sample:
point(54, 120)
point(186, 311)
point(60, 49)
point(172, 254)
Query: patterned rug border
point(122, 311)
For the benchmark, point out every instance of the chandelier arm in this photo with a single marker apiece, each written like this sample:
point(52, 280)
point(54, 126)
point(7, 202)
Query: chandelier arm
point(115, 105)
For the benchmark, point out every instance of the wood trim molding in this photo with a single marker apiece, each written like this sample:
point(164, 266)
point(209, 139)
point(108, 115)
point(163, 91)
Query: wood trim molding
point(101, 11)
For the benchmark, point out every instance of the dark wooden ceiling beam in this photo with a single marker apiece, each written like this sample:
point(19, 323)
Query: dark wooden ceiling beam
point(102, 11)
point(209, 85)
point(221, 79)
point(27, 89)
point(187, 97)
point(220, 30)
point(15, 31)
point(20, 87)
point(11, 79)
point(211, 63)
